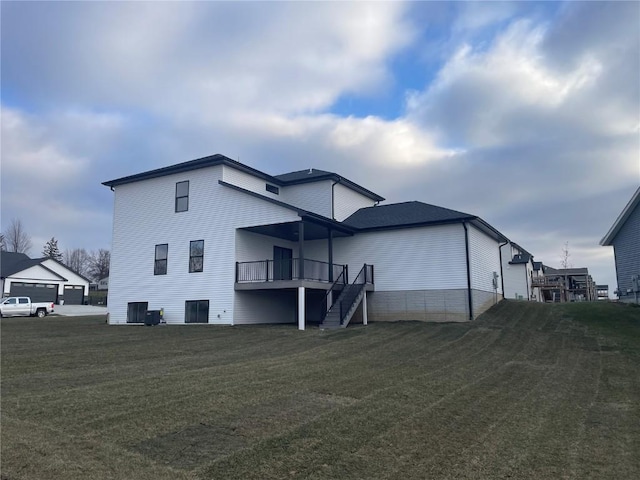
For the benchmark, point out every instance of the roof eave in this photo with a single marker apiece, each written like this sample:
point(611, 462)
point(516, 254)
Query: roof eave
point(204, 162)
point(622, 218)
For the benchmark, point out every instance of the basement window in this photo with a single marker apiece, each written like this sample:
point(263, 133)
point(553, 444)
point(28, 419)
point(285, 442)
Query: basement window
point(196, 311)
point(136, 312)
point(273, 189)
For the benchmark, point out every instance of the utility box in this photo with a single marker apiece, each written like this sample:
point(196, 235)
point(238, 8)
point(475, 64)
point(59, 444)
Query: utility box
point(152, 317)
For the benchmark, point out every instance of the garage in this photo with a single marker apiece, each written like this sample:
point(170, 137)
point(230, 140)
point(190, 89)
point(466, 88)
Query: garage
point(39, 292)
point(73, 294)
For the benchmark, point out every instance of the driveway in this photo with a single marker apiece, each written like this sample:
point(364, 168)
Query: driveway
point(78, 310)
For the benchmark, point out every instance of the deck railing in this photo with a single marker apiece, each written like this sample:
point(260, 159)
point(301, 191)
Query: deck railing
point(286, 269)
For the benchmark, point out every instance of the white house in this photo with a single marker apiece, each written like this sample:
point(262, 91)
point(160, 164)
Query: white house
point(103, 284)
point(517, 272)
point(42, 279)
point(215, 241)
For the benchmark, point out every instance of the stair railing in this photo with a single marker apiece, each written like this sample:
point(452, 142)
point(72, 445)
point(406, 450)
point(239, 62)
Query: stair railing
point(340, 281)
point(364, 276)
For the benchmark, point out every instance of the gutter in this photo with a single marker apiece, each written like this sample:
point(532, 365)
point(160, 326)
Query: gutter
point(466, 245)
point(333, 217)
point(501, 274)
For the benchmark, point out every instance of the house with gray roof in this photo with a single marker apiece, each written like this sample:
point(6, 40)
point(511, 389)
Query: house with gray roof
point(624, 237)
point(42, 279)
point(518, 273)
point(216, 241)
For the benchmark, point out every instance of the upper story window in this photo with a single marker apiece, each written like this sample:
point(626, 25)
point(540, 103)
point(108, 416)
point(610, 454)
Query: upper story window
point(182, 196)
point(160, 265)
point(273, 189)
point(196, 256)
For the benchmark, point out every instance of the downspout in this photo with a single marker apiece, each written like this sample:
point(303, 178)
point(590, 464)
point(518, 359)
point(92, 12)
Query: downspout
point(466, 246)
point(333, 197)
point(500, 255)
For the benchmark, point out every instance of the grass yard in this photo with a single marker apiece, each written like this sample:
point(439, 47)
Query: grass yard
point(528, 391)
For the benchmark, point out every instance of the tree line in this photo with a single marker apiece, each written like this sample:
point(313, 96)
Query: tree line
point(91, 264)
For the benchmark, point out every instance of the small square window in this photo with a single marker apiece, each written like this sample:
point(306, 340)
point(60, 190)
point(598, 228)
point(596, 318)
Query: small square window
point(196, 311)
point(182, 196)
point(160, 264)
point(273, 189)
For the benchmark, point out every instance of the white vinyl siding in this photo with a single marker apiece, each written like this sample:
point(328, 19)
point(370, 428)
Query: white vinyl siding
point(347, 201)
point(314, 197)
point(484, 260)
point(407, 259)
point(252, 247)
point(144, 217)
point(515, 276)
point(247, 181)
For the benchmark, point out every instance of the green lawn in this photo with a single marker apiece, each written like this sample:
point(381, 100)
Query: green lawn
point(528, 391)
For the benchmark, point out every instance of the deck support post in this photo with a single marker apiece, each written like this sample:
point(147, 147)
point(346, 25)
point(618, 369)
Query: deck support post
point(301, 308)
point(364, 308)
point(301, 250)
point(330, 255)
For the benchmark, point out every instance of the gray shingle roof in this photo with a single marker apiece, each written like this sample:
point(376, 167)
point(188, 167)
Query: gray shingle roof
point(292, 178)
point(520, 258)
point(403, 214)
point(315, 175)
point(305, 175)
point(12, 262)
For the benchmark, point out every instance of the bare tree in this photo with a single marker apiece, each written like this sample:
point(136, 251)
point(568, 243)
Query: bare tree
point(51, 250)
point(565, 263)
point(99, 264)
point(3, 246)
point(16, 239)
point(564, 258)
point(77, 260)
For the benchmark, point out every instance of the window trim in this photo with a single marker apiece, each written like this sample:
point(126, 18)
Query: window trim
point(272, 189)
point(178, 198)
point(192, 256)
point(157, 261)
point(199, 315)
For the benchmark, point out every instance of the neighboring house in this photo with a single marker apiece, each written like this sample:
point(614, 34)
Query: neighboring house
point(215, 241)
point(537, 281)
point(517, 271)
point(569, 285)
point(603, 292)
point(624, 237)
point(103, 284)
point(42, 279)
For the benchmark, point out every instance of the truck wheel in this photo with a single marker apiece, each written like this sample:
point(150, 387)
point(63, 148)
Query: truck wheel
point(41, 313)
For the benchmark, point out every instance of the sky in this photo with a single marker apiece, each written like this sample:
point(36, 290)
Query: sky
point(526, 114)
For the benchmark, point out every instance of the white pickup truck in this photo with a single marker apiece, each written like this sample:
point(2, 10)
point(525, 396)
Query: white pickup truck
point(23, 307)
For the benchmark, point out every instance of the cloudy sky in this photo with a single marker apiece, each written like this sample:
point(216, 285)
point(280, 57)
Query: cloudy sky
point(525, 114)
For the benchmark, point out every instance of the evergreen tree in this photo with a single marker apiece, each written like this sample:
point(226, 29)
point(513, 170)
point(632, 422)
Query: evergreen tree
point(51, 250)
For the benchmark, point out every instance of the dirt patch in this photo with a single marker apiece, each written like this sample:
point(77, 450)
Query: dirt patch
point(189, 447)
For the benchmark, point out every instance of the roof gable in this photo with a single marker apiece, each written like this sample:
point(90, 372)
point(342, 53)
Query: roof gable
point(292, 178)
point(622, 219)
point(60, 268)
point(12, 262)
